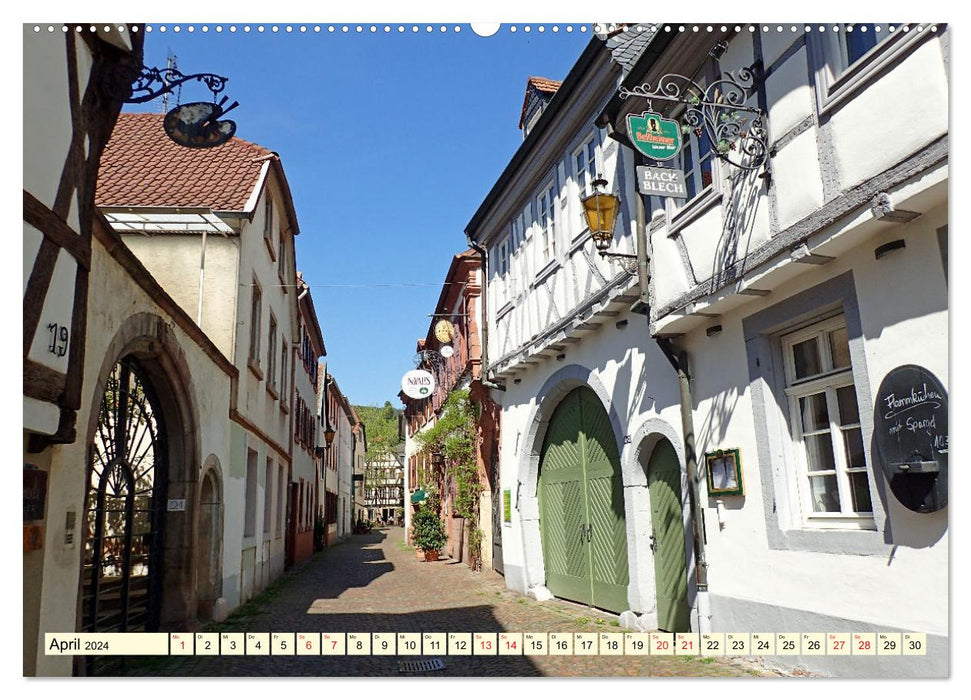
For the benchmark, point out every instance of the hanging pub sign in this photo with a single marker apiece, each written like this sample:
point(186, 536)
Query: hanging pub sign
point(910, 433)
point(418, 384)
point(444, 331)
point(661, 182)
point(197, 125)
point(654, 136)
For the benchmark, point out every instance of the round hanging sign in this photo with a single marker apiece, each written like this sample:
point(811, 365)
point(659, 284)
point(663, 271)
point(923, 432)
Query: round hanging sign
point(444, 331)
point(418, 384)
point(446, 351)
point(910, 433)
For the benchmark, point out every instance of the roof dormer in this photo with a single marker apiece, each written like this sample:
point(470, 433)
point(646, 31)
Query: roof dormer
point(539, 92)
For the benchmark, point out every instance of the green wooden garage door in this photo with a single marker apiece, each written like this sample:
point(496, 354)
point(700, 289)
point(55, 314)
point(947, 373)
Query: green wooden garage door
point(581, 499)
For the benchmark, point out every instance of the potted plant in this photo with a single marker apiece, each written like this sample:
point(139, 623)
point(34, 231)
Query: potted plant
point(430, 534)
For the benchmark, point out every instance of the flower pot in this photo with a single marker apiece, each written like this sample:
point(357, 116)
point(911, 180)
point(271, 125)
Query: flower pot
point(420, 553)
point(431, 555)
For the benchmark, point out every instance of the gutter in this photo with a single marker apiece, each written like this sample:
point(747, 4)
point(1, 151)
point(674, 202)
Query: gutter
point(484, 326)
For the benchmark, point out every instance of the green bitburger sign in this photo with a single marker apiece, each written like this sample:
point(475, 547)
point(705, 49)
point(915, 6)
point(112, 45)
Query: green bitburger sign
point(654, 136)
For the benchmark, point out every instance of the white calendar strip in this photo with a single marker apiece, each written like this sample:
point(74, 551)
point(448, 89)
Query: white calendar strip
point(487, 644)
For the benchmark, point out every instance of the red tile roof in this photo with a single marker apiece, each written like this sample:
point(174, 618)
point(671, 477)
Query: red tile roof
point(543, 85)
point(142, 167)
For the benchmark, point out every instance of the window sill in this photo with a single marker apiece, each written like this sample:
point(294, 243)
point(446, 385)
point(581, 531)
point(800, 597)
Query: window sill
point(579, 241)
point(284, 408)
point(255, 369)
point(837, 521)
point(694, 209)
point(269, 247)
point(271, 390)
point(506, 308)
point(546, 272)
point(283, 283)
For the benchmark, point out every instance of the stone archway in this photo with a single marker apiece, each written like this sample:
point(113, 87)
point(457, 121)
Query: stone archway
point(650, 435)
point(561, 383)
point(209, 550)
point(145, 341)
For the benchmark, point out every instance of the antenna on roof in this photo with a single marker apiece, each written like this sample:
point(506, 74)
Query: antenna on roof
point(171, 63)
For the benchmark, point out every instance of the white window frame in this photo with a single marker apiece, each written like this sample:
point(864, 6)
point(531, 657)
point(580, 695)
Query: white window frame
point(547, 227)
point(271, 353)
point(585, 163)
point(827, 381)
point(691, 142)
point(836, 79)
point(256, 322)
point(504, 257)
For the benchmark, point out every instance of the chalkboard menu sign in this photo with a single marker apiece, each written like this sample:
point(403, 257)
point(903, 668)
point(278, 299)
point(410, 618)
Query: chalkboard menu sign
point(911, 437)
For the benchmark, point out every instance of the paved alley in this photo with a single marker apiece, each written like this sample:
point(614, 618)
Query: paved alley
point(373, 583)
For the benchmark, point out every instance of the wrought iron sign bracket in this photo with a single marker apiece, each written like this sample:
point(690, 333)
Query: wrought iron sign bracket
point(135, 89)
point(737, 131)
point(193, 125)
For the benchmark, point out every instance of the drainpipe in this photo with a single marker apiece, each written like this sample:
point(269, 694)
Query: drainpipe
point(680, 363)
point(679, 360)
point(640, 235)
point(202, 278)
point(484, 326)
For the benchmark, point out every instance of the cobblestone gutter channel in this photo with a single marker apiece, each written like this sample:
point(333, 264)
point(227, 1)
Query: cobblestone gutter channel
point(373, 583)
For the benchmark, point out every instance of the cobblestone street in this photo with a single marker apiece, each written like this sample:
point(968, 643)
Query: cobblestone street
point(373, 583)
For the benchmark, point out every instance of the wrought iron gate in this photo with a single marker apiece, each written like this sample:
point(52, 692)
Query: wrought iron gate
point(124, 516)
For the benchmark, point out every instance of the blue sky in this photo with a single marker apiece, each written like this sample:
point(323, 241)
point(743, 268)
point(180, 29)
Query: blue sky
point(390, 142)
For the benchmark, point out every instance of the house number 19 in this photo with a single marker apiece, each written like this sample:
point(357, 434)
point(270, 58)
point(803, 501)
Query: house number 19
point(59, 338)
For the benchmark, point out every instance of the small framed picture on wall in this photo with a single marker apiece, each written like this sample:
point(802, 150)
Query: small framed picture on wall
point(724, 469)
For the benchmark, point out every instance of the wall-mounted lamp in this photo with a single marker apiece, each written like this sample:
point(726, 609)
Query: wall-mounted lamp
point(600, 210)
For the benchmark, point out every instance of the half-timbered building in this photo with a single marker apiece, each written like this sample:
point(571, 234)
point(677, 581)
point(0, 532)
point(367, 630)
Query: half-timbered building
point(126, 399)
point(801, 291)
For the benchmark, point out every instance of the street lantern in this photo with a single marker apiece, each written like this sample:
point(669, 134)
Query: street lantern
point(329, 436)
point(600, 210)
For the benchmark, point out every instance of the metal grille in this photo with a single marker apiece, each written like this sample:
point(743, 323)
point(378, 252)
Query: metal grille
point(123, 521)
point(422, 666)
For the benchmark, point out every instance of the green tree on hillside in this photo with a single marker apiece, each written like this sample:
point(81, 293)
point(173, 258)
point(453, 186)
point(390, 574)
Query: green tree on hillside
point(381, 425)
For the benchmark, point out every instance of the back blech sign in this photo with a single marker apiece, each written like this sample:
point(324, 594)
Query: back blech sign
point(661, 182)
point(911, 437)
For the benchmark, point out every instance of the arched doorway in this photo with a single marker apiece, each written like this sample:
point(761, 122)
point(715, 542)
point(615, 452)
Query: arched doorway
point(125, 507)
point(209, 550)
point(581, 505)
point(667, 538)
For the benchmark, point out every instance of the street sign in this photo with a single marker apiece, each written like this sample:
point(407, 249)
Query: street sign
point(418, 384)
point(654, 136)
point(661, 182)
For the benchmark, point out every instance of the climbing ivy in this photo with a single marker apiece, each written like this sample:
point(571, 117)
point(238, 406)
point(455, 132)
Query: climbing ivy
point(454, 437)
